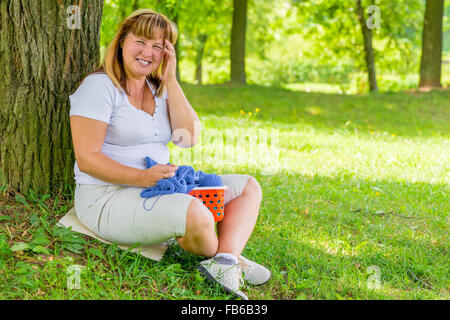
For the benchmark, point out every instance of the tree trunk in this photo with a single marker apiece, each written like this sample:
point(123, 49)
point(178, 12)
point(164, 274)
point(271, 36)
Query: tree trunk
point(237, 48)
point(199, 58)
point(431, 60)
point(45, 52)
point(368, 48)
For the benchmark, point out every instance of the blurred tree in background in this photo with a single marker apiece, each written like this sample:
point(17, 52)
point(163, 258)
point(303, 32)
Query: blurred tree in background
point(237, 48)
point(366, 30)
point(431, 61)
point(332, 30)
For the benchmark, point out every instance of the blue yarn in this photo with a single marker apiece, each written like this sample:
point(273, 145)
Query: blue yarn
point(208, 180)
point(185, 179)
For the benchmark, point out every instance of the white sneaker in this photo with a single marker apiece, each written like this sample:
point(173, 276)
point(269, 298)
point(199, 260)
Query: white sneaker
point(254, 273)
point(229, 276)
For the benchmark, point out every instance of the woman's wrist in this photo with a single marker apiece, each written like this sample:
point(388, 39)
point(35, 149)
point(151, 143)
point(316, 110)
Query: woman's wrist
point(133, 177)
point(171, 82)
point(140, 178)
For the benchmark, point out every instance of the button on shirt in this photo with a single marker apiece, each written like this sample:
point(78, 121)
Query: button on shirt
point(132, 133)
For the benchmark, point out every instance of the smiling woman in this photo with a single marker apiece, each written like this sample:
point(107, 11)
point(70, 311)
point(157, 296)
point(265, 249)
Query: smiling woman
point(141, 56)
point(128, 109)
point(143, 35)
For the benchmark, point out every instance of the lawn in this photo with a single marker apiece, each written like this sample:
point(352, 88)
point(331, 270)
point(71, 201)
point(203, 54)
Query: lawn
point(355, 204)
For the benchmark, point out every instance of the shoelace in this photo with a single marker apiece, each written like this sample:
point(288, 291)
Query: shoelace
point(238, 273)
point(236, 268)
point(244, 266)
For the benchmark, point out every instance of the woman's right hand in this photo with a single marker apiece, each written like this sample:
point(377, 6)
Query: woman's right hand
point(151, 176)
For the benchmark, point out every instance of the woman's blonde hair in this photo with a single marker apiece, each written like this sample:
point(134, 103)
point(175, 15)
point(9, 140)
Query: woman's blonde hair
point(145, 23)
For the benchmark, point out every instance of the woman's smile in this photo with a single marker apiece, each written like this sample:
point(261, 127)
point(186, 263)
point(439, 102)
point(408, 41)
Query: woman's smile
point(144, 63)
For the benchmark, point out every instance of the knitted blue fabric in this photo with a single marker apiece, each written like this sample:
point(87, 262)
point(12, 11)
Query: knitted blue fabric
point(185, 179)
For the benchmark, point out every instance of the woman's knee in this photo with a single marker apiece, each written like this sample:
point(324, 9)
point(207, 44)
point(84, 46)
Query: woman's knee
point(253, 187)
point(198, 218)
point(200, 236)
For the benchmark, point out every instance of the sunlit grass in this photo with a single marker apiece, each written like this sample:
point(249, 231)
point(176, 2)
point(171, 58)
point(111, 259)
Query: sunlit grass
point(354, 183)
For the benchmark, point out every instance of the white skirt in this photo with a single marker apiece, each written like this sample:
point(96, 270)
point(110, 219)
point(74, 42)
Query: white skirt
point(117, 213)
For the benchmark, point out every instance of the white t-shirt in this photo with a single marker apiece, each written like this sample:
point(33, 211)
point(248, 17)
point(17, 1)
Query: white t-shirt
point(132, 134)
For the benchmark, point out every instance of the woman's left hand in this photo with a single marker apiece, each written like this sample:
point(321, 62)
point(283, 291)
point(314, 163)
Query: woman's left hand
point(170, 62)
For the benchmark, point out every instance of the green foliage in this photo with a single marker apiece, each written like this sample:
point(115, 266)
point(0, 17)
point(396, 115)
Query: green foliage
point(293, 41)
point(446, 27)
point(114, 12)
point(332, 41)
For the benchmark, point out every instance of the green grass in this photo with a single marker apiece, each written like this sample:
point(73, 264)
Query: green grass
point(357, 181)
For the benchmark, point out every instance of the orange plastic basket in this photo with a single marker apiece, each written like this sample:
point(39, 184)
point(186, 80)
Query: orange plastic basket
point(213, 198)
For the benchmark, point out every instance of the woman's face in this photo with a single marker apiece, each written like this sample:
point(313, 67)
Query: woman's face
point(141, 56)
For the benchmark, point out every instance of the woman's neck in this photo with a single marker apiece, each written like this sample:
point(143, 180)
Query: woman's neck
point(135, 85)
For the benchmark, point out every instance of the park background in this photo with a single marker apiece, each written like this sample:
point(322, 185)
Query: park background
point(358, 207)
point(312, 46)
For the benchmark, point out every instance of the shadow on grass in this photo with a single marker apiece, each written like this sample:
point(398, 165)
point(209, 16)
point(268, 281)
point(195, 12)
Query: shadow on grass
point(343, 224)
point(317, 234)
point(407, 114)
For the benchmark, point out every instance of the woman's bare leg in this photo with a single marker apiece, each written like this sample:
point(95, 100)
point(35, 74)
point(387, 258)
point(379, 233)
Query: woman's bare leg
point(200, 237)
point(240, 218)
point(234, 230)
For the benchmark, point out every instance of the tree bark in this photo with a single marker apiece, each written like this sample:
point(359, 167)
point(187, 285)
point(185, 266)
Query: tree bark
point(431, 60)
point(202, 37)
point(237, 48)
point(43, 58)
point(368, 48)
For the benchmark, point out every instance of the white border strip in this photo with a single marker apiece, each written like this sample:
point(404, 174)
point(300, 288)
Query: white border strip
point(210, 188)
